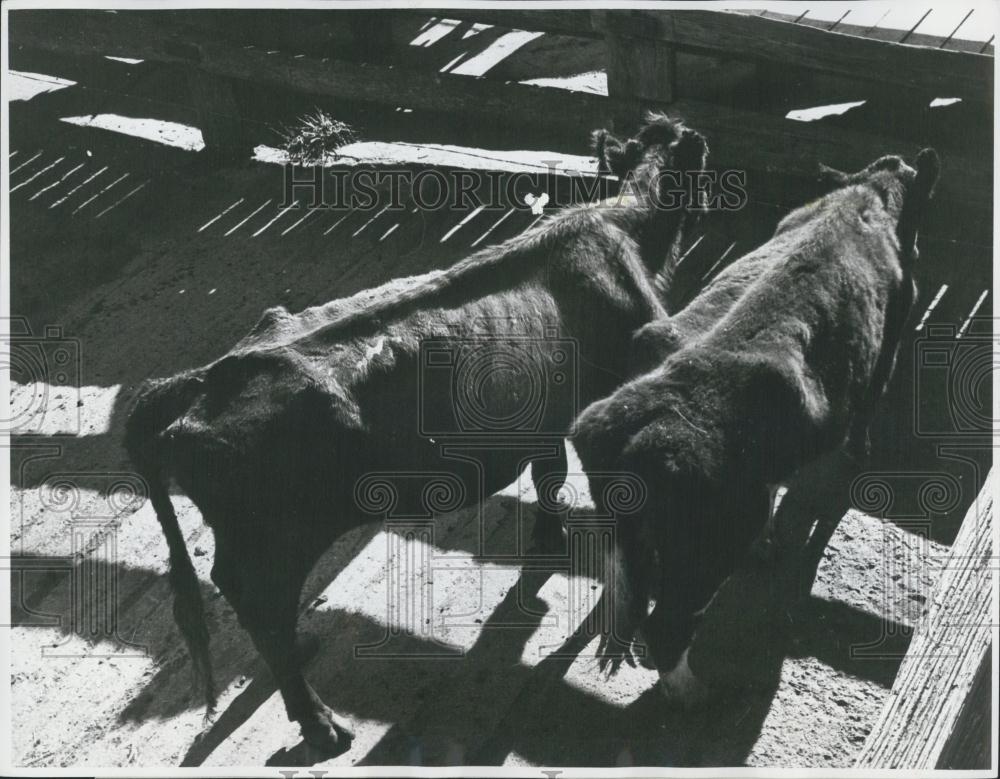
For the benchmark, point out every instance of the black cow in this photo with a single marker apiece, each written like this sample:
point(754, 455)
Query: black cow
point(271, 439)
point(779, 360)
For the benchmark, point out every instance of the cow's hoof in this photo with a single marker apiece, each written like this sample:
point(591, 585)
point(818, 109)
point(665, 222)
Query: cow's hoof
point(327, 732)
point(681, 686)
point(640, 650)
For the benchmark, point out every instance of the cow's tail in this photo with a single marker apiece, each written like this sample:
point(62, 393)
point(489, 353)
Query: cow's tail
point(189, 611)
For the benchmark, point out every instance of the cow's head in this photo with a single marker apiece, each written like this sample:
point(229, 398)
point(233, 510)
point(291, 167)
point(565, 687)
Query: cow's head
point(659, 168)
point(903, 190)
point(660, 155)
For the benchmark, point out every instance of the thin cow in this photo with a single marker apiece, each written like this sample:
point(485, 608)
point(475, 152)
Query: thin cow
point(271, 440)
point(780, 360)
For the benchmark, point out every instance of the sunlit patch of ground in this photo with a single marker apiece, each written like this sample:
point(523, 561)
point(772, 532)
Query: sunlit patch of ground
point(21, 85)
point(174, 134)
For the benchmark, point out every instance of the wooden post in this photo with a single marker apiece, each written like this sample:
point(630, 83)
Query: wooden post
point(219, 119)
point(934, 692)
point(968, 746)
point(641, 71)
point(371, 34)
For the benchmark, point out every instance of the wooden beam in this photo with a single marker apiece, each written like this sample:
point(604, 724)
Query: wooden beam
point(946, 653)
point(573, 22)
point(942, 72)
point(939, 72)
point(969, 745)
point(739, 139)
point(218, 116)
point(641, 71)
point(880, 33)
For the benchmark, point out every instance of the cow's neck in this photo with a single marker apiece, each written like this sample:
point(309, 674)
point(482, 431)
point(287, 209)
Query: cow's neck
point(659, 236)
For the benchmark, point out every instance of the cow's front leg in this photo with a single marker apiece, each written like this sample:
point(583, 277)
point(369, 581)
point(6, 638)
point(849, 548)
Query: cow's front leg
point(265, 595)
point(548, 474)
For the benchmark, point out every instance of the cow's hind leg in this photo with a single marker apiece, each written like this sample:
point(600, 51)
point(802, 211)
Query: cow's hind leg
point(697, 558)
point(548, 474)
point(263, 582)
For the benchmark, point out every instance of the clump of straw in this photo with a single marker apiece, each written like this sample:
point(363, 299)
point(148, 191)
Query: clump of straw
point(315, 137)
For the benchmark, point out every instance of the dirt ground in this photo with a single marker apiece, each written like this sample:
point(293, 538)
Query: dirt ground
point(491, 669)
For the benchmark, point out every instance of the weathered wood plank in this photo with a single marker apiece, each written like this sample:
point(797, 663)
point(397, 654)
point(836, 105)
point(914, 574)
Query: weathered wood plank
point(641, 71)
point(218, 116)
point(947, 650)
point(968, 747)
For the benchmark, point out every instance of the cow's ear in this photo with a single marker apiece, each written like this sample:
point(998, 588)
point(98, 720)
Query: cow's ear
point(831, 178)
point(613, 156)
point(690, 151)
point(622, 160)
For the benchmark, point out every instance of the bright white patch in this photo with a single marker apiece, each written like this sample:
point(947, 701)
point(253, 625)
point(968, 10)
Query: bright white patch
point(276, 217)
point(452, 62)
point(46, 409)
point(43, 171)
point(389, 232)
point(433, 34)
point(58, 181)
point(309, 212)
point(595, 82)
point(246, 219)
point(372, 351)
point(932, 306)
point(475, 30)
point(468, 218)
point(219, 216)
point(93, 197)
point(819, 112)
point(493, 227)
point(411, 586)
point(937, 102)
point(466, 157)
point(972, 314)
point(681, 685)
point(22, 85)
point(495, 53)
point(180, 136)
point(537, 203)
point(126, 60)
point(123, 198)
point(568, 600)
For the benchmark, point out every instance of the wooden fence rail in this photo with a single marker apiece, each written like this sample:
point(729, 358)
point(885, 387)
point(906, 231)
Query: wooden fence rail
point(948, 654)
point(934, 71)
